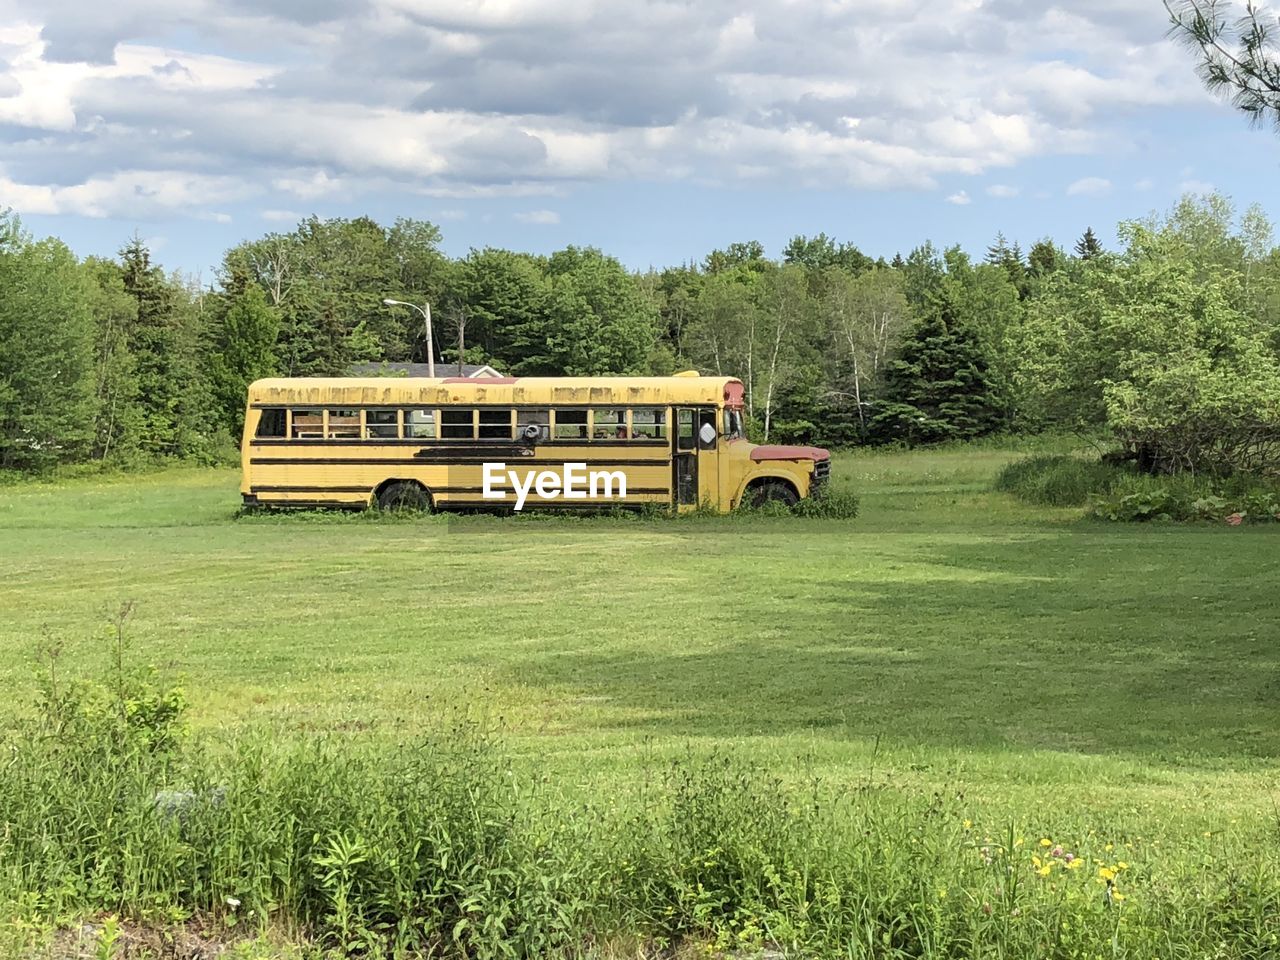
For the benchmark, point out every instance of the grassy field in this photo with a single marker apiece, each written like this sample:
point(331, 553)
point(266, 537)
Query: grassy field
point(1060, 677)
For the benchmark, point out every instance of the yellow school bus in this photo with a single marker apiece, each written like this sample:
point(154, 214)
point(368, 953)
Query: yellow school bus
point(513, 443)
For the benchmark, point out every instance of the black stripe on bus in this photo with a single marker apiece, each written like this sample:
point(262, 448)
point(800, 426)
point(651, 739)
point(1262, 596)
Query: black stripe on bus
point(467, 404)
point(418, 462)
point(478, 446)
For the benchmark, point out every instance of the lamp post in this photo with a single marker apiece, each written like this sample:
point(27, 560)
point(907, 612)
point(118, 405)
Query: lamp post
point(425, 310)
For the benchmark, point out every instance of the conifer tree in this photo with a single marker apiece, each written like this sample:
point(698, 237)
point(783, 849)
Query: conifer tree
point(939, 387)
point(1088, 247)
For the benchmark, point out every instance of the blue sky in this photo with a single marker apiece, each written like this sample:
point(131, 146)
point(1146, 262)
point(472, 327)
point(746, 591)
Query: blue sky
point(656, 130)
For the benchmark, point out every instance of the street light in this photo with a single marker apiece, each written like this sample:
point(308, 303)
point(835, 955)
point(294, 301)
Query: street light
point(425, 310)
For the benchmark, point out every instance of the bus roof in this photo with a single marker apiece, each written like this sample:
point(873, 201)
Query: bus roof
point(500, 391)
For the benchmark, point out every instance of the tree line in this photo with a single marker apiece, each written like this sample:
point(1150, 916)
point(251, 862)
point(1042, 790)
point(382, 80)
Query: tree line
point(1171, 342)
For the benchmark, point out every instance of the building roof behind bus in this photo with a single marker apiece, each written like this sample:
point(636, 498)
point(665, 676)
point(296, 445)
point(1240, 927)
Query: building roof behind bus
point(508, 391)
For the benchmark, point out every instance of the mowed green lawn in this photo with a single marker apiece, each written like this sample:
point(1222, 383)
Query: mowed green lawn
point(1044, 666)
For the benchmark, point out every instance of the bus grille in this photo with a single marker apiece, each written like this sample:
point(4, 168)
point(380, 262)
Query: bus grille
point(821, 471)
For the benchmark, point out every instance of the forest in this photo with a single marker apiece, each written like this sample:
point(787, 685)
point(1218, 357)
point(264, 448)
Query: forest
point(1169, 343)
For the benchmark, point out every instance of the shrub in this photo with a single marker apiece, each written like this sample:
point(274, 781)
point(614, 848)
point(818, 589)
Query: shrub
point(1186, 498)
point(1058, 481)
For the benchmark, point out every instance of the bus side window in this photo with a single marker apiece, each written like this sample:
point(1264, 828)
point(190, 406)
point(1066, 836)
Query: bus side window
point(610, 424)
point(533, 425)
point(571, 425)
point(381, 424)
point(457, 424)
point(495, 424)
point(649, 423)
point(271, 424)
point(685, 439)
point(307, 424)
point(420, 424)
point(344, 424)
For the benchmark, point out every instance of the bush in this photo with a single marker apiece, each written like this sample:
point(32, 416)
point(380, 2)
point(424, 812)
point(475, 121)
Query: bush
point(1138, 497)
point(1117, 492)
point(1058, 481)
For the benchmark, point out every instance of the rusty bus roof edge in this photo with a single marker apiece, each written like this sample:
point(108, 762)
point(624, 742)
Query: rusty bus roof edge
point(587, 390)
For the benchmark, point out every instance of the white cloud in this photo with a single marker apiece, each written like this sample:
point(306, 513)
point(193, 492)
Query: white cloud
point(128, 194)
point(539, 217)
point(960, 199)
point(281, 216)
point(1089, 187)
point(1003, 191)
point(325, 99)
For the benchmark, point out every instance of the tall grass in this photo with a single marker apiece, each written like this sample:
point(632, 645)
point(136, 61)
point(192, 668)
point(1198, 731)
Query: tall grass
point(1058, 480)
point(438, 847)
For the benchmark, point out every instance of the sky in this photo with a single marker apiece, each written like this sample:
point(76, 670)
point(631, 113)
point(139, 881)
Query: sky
point(656, 130)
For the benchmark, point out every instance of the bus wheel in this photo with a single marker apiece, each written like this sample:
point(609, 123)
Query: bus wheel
point(776, 492)
point(405, 496)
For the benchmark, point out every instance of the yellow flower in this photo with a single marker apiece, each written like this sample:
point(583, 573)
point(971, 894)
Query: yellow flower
point(1075, 864)
point(1122, 865)
point(1109, 847)
point(1117, 895)
point(1106, 873)
point(968, 824)
point(942, 893)
point(1045, 870)
point(1017, 843)
point(1035, 861)
point(1046, 842)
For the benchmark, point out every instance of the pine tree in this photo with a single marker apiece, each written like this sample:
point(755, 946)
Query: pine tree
point(939, 388)
point(1088, 247)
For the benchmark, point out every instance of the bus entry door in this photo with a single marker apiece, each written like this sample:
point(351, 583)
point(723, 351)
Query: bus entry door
point(685, 457)
point(697, 475)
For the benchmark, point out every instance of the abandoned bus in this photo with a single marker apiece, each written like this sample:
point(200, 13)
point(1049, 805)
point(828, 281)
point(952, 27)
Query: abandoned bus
point(514, 443)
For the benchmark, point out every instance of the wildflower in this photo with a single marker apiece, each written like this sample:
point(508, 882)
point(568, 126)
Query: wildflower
point(1045, 870)
point(1046, 842)
point(1017, 843)
point(1069, 858)
point(1117, 896)
point(1074, 864)
point(968, 824)
point(1035, 861)
point(1122, 865)
point(986, 909)
point(942, 893)
point(1056, 851)
point(1109, 847)
point(1106, 873)
point(232, 902)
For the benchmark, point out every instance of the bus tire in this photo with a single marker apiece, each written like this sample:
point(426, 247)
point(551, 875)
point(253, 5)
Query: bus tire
point(403, 496)
point(777, 491)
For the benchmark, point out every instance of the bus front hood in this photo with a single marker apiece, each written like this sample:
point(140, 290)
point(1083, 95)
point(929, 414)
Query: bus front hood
point(775, 452)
